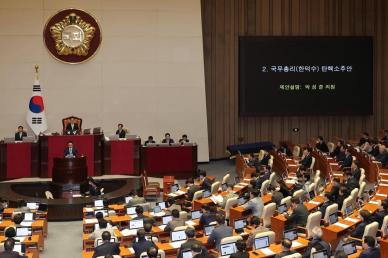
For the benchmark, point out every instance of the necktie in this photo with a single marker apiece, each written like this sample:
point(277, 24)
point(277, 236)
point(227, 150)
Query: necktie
point(71, 150)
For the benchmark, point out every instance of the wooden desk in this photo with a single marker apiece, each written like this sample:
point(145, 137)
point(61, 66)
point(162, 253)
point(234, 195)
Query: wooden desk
point(277, 248)
point(38, 226)
point(384, 246)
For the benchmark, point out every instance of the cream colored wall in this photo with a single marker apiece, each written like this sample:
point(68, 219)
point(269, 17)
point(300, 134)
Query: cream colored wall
point(148, 73)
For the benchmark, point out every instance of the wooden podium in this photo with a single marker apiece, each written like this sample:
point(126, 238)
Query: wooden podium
point(70, 170)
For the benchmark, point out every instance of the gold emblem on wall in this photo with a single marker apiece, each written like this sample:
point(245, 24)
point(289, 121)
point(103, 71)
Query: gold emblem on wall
point(72, 36)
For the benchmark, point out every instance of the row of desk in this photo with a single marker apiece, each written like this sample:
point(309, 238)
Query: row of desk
point(128, 157)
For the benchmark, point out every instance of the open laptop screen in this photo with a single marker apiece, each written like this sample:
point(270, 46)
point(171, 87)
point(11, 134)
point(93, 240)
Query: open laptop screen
point(98, 203)
point(162, 205)
point(291, 234)
point(131, 210)
point(32, 205)
point(333, 218)
point(196, 214)
point(262, 242)
point(178, 235)
point(228, 249)
point(166, 219)
point(136, 223)
point(23, 231)
point(320, 254)
point(208, 229)
point(349, 248)
point(240, 223)
point(282, 208)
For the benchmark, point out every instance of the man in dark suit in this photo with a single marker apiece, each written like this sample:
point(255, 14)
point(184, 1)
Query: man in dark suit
point(72, 128)
point(264, 161)
point(337, 148)
point(8, 250)
point(370, 249)
point(308, 159)
point(206, 183)
point(152, 252)
point(167, 139)
point(107, 247)
point(360, 228)
point(208, 215)
point(198, 252)
point(328, 201)
point(241, 247)
point(383, 211)
point(219, 232)
point(383, 156)
point(70, 151)
point(139, 212)
point(150, 140)
point(335, 188)
point(299, 214)
point(20, 134)
point(175, 222)
point(191, 188)
point(141, 244)
point(350, 181)
point(364, 138)
point(341, 156)
point(347, 162)
point(356, 170)
point(286, 249)
point(184, 139)
point(321, 145)
point(190, 233)
point(120, 131)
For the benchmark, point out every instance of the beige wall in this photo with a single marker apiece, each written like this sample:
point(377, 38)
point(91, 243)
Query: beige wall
point(148, 73)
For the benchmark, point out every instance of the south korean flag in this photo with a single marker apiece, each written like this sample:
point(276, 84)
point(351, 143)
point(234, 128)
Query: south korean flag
point(36, 117)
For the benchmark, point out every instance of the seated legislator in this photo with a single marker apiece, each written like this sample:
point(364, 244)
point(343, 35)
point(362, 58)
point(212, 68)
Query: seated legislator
point(93, 190)
point(299, 214)
point(167, 139)
point(382, 212)
point(141, 244)
point(175, 222)
point(306, 162)
point(384, 139)
point(321, 145)
point(20, 133)
point(150, 140)
point(257, 228)
point(120, 131)
point(219, 232)
point(190, 233)
point(139, 215)
point(192, 187)
point(241, 247)
point(106, 247)
point(383, 156)
point(364, 138)
point(72, 127)
point(286, 249)
point(198, 252)
point(135, 199)
point(10, 232)
point(337, 148)
point(317, 239)
point(369, 248)
point(255, 204)
point(347, 162)
point(184, 139)
point(205, 182)
point(102, 227)
point(70, 151)
point(152, 252)
point(8, 250)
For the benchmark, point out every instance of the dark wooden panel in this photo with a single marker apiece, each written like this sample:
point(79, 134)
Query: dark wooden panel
point(224, 21)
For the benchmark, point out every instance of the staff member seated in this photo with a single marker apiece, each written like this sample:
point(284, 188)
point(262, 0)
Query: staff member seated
point(241, 250)
point(167, 139)
point(175, 222)
point(255, 204)
point(8, 250)
point(190, 242)
point(219, 232)
point(141, 244)
point(106, 247)
point(286, 249)
point(299, 214)
point(20, 134)
point(120, 131)
point(383, 211)
point(139, 212)
point(321, 145)
point(184, 139)
point(150, 140)
point(70, 151)
point(317, 239)
point(103, 226)
point(369, 248)
point(347, 162)
point(72, 127)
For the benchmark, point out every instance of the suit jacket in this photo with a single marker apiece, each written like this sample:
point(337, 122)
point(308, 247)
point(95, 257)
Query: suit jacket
point(312, 243)
point(357, 174)
point(334, 192)
point(359, 230)
point(11, 254)
point(226, 198)
point(146, 219)
point(340, 156)
point(324, 207)
point(322, 147)
point(240, 255)
point(347, 161)
point(121, 133)
point(66, 152)
point(188, 244)
point(379, 217)
point(106, 248)
point(19, 136)
point(147, 142)
point(265, 160)
point(370, 253)
point(192, 189)
point(72, 130)
point(256, 205)
point(219, 233)
point(174, 207)
point(207, 218)
point(169, 141)
point(175, 222)
point(207, 183)
point(141, 246)
point(298, 216)
point(383, 158)
point(306, 162)
point(284, 253)
point(352, 183)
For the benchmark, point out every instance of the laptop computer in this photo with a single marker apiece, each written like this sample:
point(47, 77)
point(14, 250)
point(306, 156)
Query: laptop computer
point(349, 248)
point(166, 219)
point(196, 214)
point(320, 254)
point(19, 247)
point(32, 205)
point(174, 188)
point(127, 199)
point(291, 234)
point(239, 225)
point(178, 235)
point(23, 231)
point(208, 229)
point(131, 210)
point(333, 218)
point(29, 217)
point(241, 200)
point(311, 195)
point(157, 209)
point(187, 253)
point(224, 187)
point(99, 203)
point(261, 242)
point(282, 208)
point(206, 194)
point(348, 210)
point(28, 139)
point(136, 223)
point(162, 205)
point(227, 249)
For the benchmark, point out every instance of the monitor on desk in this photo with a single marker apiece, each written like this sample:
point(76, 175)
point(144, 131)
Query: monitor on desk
point(350, 248)
point(208, 229)
point(131, 210)
point(98, 203)
point(349, 210)
point(261, 242)
point(32, 205)
point(103, 211)
point(240, 223)
point(29, 216)
point(162, 205)
point(206, 194)
point(228, 249)
point(320, 254)
point(224, 187)
point(157, 209)
point(136, 223)
point(333, 218)
point(241, 200)
point(311, 194)
point(291, 234)
point(282, 208)
point(174, 188)
point(178, 235)
point(128, 198)
point(166, 219)
point(23, 231)
point(196, 214)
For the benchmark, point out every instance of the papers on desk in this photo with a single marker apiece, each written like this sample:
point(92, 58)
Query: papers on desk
point(333, 164)
point(296, 244)
point(177, 244)
point(352, 220)
point(91, 221)
point(159, 214)
point(21, 239)
point(243, 234)
point(190, 223)
point(216, 199)
point(383, 184)
point(288, 181)
point(131, 250)
point(162, 227)
point(239, 186)
point(179, 192)
point(374, 202)
point(129, 232)
point(267, 251)
point(26, 224)
point(341, 225)
point(89, 209)
point(314, 202)
point(383, 195)
point(337, 174)
point(172, 195)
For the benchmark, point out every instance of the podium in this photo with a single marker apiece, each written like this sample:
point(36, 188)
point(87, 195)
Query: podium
point(70, 170)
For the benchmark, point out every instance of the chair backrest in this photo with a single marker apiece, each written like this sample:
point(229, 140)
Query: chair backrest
point(272, 179)
point(316, 181)
point(313, 220)
point(197, 195)
point(371, 229)
point(317, 174)
point(362, 189)
point(214, 187)
point(183, 215)
point(231, 239)
point(354, 194)
point(270, 161)
point(333, 208)
point(311, 187)
point(264, 187)
point(348, 200)
point(362, 179)
point(331, 146)
point(161, 254)
point(298, 193)
point(261, 155)
point(66, 121)
point(49, 195)
point(295, 255)
point(270, 234)
point(384, 227)
point(229, 204)
point(312, 162)
point(286, 200)
point(268, 211)
point(225, 179)
point(296, 151)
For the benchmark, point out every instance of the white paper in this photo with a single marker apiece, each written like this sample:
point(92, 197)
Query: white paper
point(177, 244)
point(77, 195)
point(91, 221)
point(383, 195)
point(162, 227)
point(132, 216)
point(179, 192)
point(336, 174)
point(333, 164)
point(129, 232)
point(26, 224)
point(374, 202)
point(131, 250)
point(290, 181)
point(89, 209)
point(216, 198)
point(314, 202)
point(383, 184)
point(341, 225)
point(238, 186)
point(267, 251)
point(292, 165)
point(172, 195)
point(190, 223)
point(159, 214)
point(295, 244)
point(383, 174)
point(352, 220)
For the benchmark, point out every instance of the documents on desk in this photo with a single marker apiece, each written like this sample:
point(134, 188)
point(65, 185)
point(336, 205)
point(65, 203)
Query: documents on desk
point(267, 251)
point(217, 199)
point(296, 244)
point(26, 224)
point(129, 232)
point(177, 244)
point(159, 214)
point(314, 202)
point(89, 209)
point(162, 227)
point(352, 220)
point(190, 223)
point(341, 225)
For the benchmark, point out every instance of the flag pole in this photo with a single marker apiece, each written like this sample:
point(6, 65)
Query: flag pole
point(37, 72)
